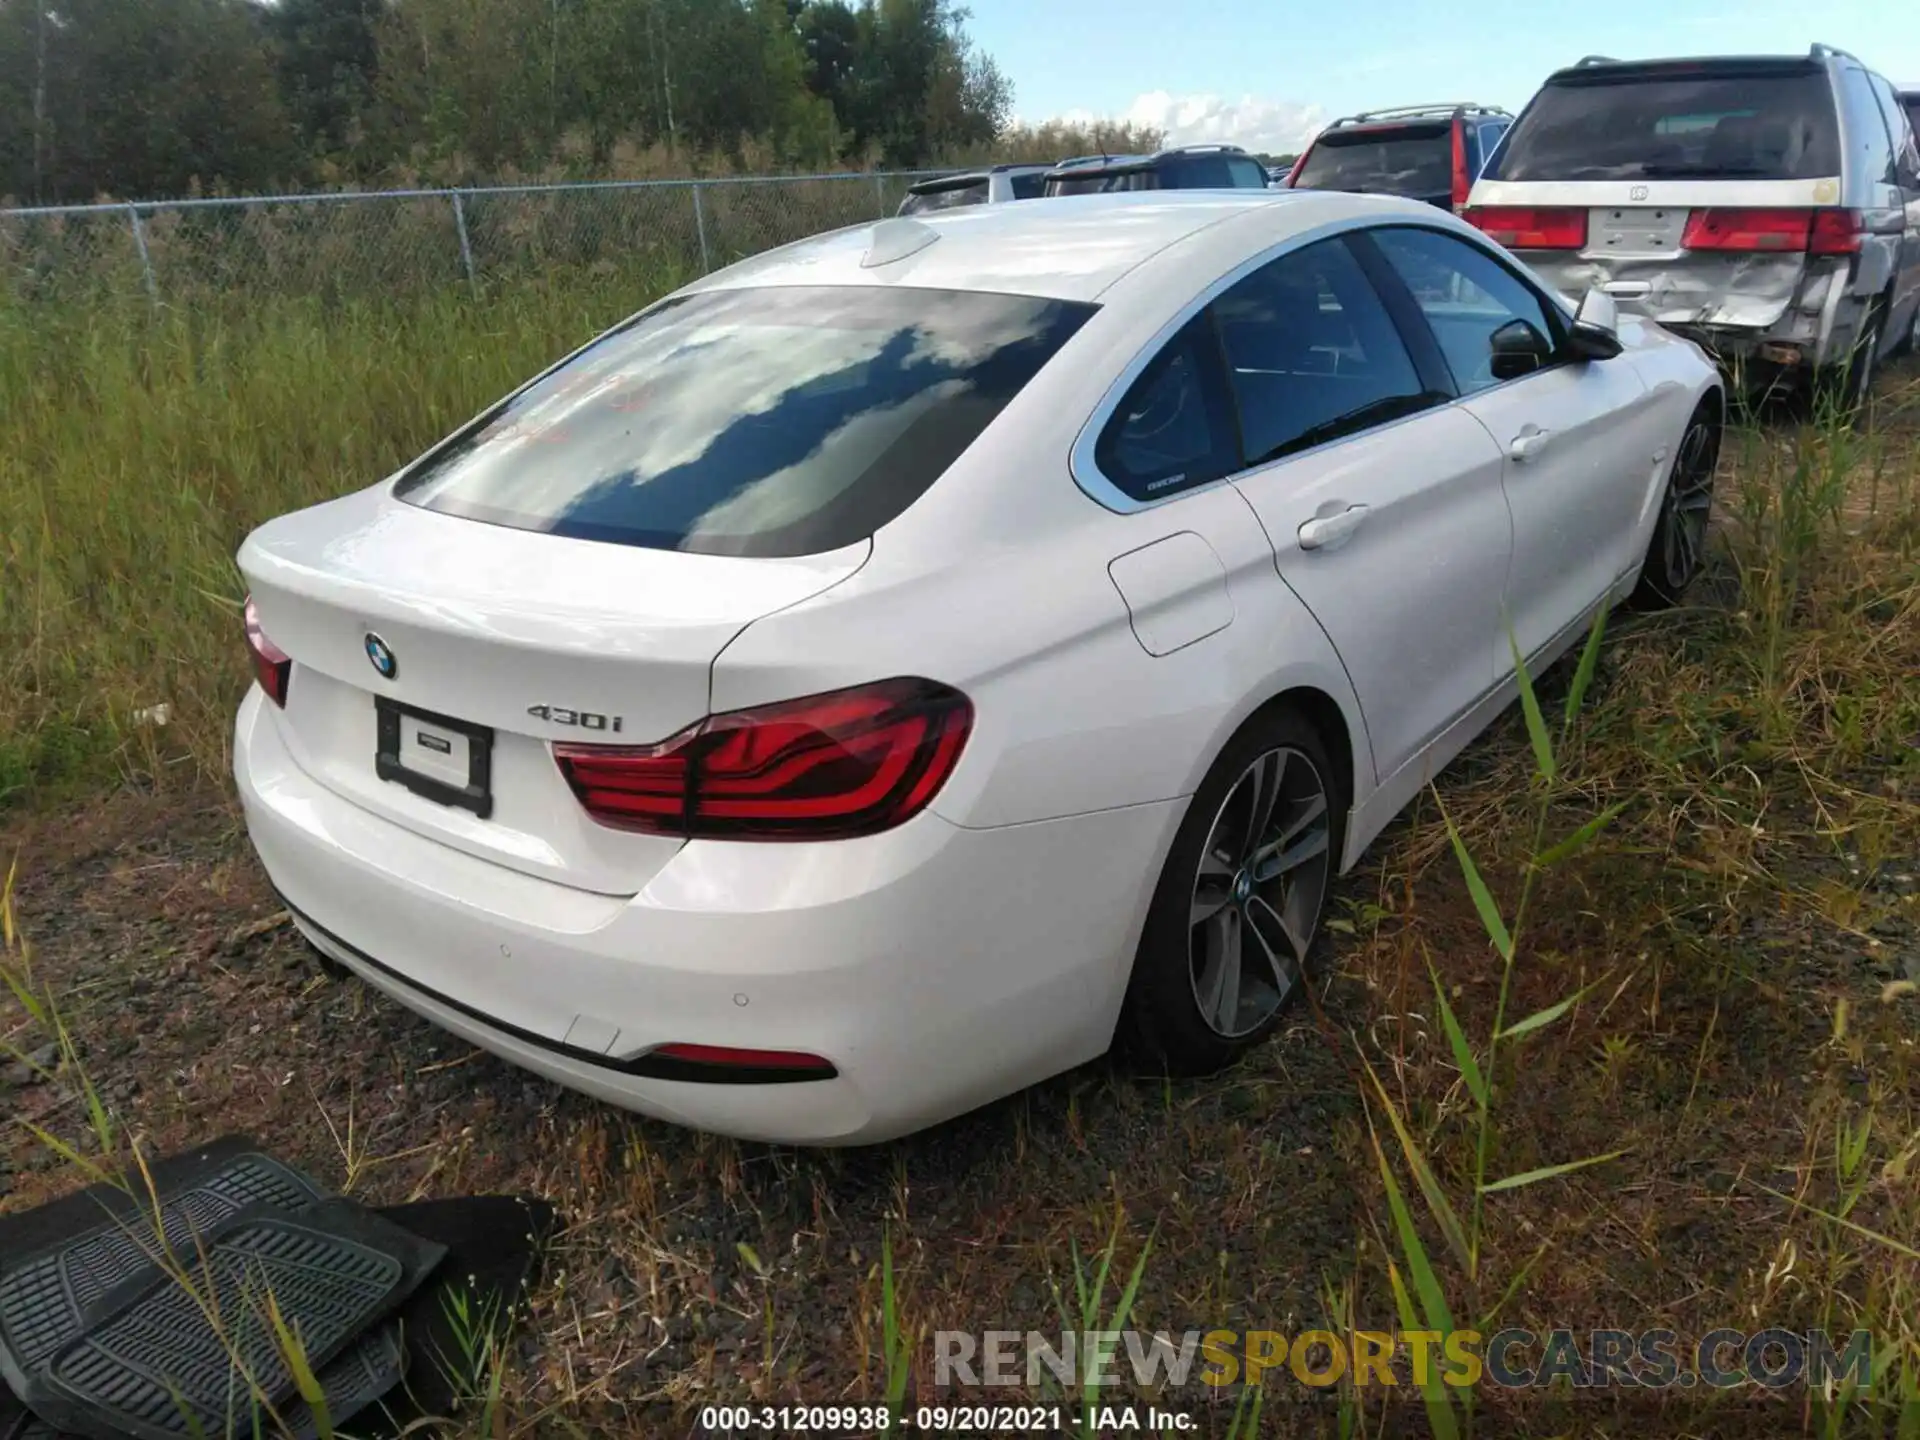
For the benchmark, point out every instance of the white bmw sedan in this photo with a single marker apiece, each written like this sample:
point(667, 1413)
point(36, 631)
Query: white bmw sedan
point(892, 669)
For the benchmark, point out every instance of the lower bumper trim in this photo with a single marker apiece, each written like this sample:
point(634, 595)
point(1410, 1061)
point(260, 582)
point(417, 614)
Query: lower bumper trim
point(648, 1066)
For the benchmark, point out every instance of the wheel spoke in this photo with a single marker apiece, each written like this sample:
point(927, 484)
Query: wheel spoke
point(1268, 772)
point(1280, 947)
point(1210, 897)
point(1277, 861)
point(1219, 986)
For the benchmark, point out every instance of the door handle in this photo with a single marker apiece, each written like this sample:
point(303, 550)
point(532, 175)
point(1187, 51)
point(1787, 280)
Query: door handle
point(1528, 443)
point(1328, 532)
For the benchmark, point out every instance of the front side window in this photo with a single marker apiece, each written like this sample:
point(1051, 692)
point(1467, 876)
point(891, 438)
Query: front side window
point(1659, 125)
point(1174, 427)
point(1313, 354)
point(1466, 295)
point(776, 421)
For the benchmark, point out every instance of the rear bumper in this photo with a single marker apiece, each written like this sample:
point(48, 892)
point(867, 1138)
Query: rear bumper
point(1773, 317)
point(936, 967)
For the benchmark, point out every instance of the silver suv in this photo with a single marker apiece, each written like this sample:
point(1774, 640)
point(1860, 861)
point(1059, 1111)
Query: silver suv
point(995, 186)
point(1766, 207)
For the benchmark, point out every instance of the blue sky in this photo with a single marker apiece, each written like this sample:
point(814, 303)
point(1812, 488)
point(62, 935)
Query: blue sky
point(1263, 72)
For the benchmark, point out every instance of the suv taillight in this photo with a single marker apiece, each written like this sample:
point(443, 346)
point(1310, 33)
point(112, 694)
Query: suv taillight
point(271, 664)
point(1531, 227)
point(1813, 232)
point(829, 767)
point(1462, 182)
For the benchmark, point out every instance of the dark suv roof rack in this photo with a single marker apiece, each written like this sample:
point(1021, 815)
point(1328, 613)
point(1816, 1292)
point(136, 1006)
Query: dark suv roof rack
point(1817, 51)
point(1419, 112)
point(1204, 148)
point(1585, 60)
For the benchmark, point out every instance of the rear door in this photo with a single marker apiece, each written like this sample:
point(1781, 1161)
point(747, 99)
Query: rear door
point(1675, 186)
point(1579, 439)
point(1382, 501)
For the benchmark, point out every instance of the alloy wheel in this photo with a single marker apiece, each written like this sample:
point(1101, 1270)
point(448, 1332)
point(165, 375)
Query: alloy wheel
point(1688, 499)
point(1257, 893)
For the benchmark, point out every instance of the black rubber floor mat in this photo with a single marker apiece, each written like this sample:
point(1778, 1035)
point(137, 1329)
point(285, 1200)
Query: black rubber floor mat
point(494, 1247)
point(62, 1259)
point(167, 1354)
point(373, 1368)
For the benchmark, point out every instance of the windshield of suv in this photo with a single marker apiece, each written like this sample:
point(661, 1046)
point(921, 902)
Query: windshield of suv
point(1759, 125)
point(1413, 160)
point(777, 421)
point(972, 191)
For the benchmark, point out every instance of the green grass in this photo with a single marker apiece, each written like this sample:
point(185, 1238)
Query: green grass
point(137, 450)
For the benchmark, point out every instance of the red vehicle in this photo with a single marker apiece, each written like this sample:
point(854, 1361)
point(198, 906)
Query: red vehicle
point(1424, 152)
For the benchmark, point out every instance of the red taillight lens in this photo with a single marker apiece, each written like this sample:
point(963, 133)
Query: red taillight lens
point(1462, 182)
point(1528, 227)
point(271, 665)
point(1816, 232)
point(728, 1057)
point(828, 767)
point(1836, 232)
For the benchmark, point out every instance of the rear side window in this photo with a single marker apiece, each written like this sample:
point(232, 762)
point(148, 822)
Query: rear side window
point(1174, 427)
point(1870, 141)
point(778, 421)
point(1413, 160)
point(1764, 125)
point(1099, 183)
point(973, 192)
point(1906, 148)
point(1196, 172)
point(1030, 186)
point(1313, 353)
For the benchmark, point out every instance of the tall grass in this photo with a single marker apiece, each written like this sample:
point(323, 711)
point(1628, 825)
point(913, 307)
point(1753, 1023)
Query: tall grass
point(137, 451)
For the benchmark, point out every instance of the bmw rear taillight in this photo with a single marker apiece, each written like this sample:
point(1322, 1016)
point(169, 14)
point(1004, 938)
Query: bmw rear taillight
point(1462, 181)
point(271, 664)
point(1531, 227)
point(829, 767)
point(1790, 231)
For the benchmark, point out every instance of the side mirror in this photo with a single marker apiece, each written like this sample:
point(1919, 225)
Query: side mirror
point(1596, 328)
point(1518, 349)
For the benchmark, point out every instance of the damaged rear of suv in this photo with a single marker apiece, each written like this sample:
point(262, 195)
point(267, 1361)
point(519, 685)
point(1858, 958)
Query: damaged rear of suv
point(1766, 207)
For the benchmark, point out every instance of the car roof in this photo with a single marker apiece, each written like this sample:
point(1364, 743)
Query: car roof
point(1068, 248)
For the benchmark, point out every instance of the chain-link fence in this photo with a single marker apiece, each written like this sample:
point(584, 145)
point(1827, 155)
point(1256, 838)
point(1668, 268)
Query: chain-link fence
point(177, 252)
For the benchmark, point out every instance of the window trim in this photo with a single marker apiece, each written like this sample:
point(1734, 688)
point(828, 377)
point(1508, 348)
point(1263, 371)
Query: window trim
point(1097, 487)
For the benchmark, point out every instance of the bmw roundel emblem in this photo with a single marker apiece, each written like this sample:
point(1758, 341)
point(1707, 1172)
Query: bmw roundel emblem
point(380, 656)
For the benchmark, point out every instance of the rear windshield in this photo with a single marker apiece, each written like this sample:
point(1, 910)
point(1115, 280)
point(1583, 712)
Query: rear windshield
point(1029, 186)
point(780, 421)
point(1100, 182)
point(946, 197)
point(1415, 160)
point(1750, 126)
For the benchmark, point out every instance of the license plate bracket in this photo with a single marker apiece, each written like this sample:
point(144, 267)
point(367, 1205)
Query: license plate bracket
point(434, 742)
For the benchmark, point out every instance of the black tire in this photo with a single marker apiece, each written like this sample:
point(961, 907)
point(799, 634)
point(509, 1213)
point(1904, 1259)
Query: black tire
point(1163, 1025)
point(1841, 390)
point(1679, 540)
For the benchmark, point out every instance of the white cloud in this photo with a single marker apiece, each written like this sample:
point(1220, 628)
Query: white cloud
point(1273, 126)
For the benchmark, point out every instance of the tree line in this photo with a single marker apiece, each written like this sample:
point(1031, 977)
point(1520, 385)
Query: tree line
point(154, 98)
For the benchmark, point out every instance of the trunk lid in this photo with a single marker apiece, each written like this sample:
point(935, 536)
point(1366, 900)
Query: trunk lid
point(485, 623)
